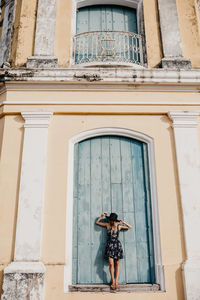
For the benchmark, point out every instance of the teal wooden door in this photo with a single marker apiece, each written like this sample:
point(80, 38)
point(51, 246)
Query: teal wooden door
point(106, 18)
point(111, 175)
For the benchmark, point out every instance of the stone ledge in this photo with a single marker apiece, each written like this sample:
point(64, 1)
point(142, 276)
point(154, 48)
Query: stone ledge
point(176, 63)
point(42, 62)
point(96, 288)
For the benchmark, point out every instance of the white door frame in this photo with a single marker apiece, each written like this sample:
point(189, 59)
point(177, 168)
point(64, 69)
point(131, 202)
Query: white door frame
point(159, 272)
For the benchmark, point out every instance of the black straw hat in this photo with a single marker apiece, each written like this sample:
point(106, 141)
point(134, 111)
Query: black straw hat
point(113, 217)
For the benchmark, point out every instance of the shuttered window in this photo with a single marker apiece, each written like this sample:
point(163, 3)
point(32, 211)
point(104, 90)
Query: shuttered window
point(111, 174)
point(106, 18)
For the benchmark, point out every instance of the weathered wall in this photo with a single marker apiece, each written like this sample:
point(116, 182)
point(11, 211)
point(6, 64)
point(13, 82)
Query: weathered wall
point(9, 178)
point(190, 30)
point(63, 32)
point(7, 31)
point(23, 39)
point(152, 30)
point(152, 120)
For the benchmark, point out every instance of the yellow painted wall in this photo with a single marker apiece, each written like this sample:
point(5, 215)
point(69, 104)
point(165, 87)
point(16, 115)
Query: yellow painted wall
point(70, 120)
point(24, 32)
point(23, 40)
point(190, 30)
point(9, 178)
point(63, 32)
point(152, 31)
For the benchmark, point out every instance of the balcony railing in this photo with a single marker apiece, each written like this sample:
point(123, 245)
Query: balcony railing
point(108, 46)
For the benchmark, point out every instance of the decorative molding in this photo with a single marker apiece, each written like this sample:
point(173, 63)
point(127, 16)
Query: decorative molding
point(69, 212)
point(101, 76)
point(36, 119)
point(25, 267)
point(184, 119)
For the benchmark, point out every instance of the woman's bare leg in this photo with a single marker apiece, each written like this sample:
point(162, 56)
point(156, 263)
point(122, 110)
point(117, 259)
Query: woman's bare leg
point(111, 269)
point(117, 271)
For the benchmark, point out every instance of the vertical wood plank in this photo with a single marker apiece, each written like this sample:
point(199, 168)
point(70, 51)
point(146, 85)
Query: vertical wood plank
point(140, 211)
point(127, 178)
point(82, 20)
point(115, 159)
point(96, 209)
point(149, 214)
point(84, 226)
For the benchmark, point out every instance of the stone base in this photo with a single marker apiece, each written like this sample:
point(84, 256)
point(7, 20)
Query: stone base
point(176, 63)
point(23, 280)
point(191, 279)
point(42, 62)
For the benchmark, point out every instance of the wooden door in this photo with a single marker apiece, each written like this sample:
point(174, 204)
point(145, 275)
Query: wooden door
point(111, 175)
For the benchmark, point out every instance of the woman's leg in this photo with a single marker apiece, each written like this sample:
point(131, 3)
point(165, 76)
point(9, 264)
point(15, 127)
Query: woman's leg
point(111, 269)
point(117, 272)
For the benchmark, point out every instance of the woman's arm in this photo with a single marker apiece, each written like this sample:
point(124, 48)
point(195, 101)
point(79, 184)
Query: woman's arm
point(99, 219)
point(127, 226)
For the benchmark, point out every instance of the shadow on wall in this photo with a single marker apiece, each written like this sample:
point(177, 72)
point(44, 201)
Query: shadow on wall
point(101, 265)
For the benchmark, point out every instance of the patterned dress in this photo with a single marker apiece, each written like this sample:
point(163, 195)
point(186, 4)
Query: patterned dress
point(113, 246)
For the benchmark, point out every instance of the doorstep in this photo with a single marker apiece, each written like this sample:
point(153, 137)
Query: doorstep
point(106, 288)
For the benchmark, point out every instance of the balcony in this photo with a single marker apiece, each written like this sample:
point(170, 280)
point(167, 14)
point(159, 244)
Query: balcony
point(98, 48)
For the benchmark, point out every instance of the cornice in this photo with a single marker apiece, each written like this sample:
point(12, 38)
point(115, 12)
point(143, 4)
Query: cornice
point(101, 76)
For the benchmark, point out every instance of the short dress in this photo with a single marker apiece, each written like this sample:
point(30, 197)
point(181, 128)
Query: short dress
point(113, 245)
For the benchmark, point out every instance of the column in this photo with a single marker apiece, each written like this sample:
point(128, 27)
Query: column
point(9, 7)
point(44, 36)
point(186, 135)
point(171, 39)
point(25, 276)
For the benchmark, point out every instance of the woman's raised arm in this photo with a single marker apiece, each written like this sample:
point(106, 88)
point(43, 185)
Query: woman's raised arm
point(125, 225)
point(101, 223)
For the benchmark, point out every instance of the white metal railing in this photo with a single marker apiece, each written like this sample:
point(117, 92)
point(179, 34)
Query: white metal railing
point(108, 46)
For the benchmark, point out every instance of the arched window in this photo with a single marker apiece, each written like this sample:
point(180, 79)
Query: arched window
point(108, 34)
point(111, 172)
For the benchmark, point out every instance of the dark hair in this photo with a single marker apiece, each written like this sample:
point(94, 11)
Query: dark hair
point(113, 217)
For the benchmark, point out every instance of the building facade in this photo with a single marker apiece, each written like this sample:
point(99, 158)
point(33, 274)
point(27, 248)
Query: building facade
point(99, 111)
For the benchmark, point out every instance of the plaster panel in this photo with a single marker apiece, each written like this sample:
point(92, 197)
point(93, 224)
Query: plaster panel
point(9, 178)
point(190, 30)
point(23, 40)
point(152, 30)
point(63, 32)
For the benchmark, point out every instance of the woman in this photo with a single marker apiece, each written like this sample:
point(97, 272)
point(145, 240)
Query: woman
point(113, 250)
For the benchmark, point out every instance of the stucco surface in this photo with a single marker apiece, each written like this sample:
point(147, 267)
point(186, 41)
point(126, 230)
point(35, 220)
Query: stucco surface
point(152, 30)
point(190, 30)
point(156, 126)
point(24, 32)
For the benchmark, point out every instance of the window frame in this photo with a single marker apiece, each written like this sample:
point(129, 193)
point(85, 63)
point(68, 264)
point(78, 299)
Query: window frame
point(136, 4)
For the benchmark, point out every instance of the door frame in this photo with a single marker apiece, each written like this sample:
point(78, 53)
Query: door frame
point(159, 270)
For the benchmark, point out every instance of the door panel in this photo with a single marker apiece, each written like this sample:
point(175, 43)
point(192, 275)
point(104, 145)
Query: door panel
point(111, 174)
point(106, 18)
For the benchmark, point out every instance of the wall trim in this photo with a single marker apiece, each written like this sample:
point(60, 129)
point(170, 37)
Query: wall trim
point(69, 212)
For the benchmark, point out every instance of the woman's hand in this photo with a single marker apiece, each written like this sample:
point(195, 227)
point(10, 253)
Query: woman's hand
point(104, 214)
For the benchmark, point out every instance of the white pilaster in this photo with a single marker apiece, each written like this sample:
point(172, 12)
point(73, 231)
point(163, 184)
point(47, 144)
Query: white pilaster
point(171, 38)
point(185, 125)
point(24, 277)
point(44, 36)
point(31, 194)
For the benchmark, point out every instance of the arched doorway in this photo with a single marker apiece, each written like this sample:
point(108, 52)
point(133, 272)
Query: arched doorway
point(111, 173)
